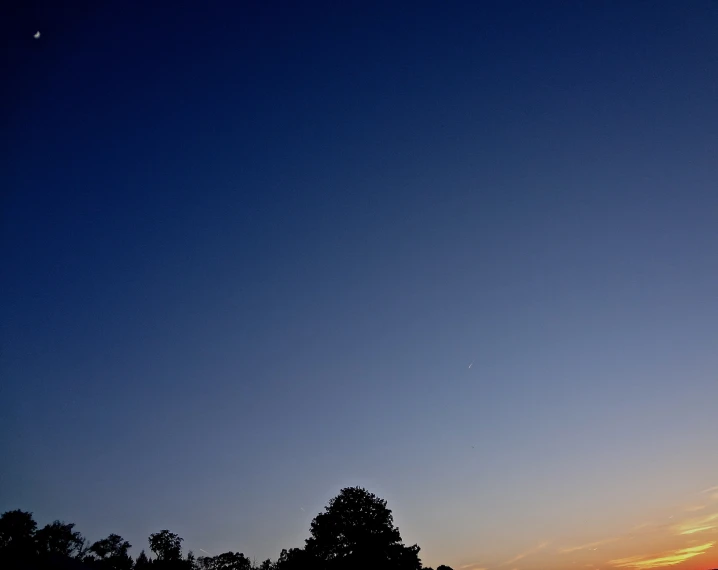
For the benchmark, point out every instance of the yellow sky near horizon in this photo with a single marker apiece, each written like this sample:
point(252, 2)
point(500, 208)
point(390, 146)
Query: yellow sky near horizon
point(680, 537)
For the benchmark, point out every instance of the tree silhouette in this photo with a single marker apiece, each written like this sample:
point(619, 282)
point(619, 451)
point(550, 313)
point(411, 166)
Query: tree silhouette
point(59, 539)
point(110, 553)
point(17, 534)
point(354, 532)
point(17, 539)
point(226, 561)
point(166, 545)
point(357, 530)
point(444, 567)
point(295, 559)
point(142, 562)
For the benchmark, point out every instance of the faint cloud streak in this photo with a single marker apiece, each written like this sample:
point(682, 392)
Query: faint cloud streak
point(693, 526)
point(525, 554)
point(669, 558)
point(591, 545)
point(644, 526)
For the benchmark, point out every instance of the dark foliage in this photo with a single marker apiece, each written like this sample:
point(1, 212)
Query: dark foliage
point(355, 532)
point(294, 559)
point(17, 534)
point(226, 561)
point(59, 539)
point(142, 562)
point(111, 553)
point(166, 546)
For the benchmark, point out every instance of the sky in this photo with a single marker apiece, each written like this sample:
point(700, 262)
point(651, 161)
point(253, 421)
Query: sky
point(463, 254)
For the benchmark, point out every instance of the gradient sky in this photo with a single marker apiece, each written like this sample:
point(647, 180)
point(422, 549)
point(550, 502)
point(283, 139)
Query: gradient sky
point(251, 249)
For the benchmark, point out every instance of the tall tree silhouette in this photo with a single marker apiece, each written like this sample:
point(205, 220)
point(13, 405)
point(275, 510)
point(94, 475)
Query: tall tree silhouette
point(166, 545)
point(142, 562)
point(17, 539)
point(357, 530)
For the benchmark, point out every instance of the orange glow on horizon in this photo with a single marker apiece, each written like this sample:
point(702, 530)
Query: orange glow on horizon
point(681, 536)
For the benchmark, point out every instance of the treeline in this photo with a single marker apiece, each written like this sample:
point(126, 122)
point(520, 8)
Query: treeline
point(355, 532)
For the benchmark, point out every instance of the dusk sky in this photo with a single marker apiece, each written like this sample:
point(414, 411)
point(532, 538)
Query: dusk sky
point(463, 254)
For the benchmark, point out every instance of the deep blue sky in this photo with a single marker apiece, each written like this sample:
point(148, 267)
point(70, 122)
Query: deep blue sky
point(250, 250)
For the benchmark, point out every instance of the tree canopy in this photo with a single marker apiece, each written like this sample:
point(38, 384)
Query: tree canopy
point(58, 538)
point(357, 530)
point(166, 545)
